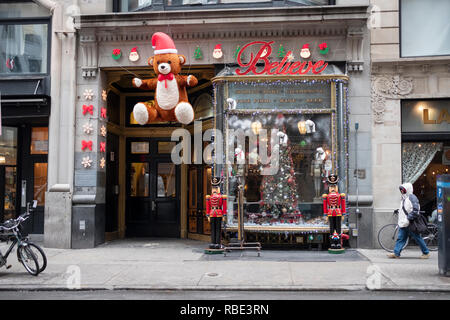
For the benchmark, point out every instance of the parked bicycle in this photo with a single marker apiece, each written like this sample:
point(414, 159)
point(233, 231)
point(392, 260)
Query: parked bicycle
point(387, 236)
point(29, 254)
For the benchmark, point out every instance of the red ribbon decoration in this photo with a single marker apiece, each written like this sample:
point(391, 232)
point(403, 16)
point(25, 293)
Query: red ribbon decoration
point(102, 146)
point(165, 77)
point(103, 112)
point(89, 108)
point(86, 144)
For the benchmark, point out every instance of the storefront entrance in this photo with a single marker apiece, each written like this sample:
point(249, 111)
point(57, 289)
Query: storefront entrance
point(153, 197)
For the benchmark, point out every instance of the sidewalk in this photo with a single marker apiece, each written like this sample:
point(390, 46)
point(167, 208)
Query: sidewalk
point(181, 264)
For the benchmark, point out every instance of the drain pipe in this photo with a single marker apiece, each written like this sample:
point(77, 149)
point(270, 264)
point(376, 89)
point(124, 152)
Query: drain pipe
point(358, 213)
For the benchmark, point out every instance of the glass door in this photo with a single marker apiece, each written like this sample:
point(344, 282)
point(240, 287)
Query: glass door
point(152, 205)
point(8, 174)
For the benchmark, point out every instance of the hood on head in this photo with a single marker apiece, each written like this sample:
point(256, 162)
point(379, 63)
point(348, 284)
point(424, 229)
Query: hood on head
point(409, 188)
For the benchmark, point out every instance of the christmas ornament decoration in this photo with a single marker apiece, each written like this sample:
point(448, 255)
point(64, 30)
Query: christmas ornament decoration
point(102, 146)
point(102, 162)
point(334, 208)
point(301, 125)
point(281, 52)
point(134, 55)
point(323, 48)
point(171, 101)
point(236, 52)
point(116, 54)
point(88, 128)
point(256, 126)
point(103, 112)
point(310, 126)
point(305, 53)
point(282, 138)
point(103, 131)
point(290, 57)
point(86, 145)
point(217, 52)
point(302, 143)
point(86, 162)
point(216, 209)
point(10, 64)
point(88, 94)
point(198, 54)
point(104, 95)
point(317, 170)
point(231, 103)
point(88, 109)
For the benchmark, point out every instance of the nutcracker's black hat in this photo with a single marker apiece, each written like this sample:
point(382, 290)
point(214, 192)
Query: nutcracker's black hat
point(215, 181)
point(333, 179)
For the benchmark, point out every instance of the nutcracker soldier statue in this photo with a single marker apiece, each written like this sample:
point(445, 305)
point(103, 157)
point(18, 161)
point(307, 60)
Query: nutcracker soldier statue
point(216, 208)
point(334, 208)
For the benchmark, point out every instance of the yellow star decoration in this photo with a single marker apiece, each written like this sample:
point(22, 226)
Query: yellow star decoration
point(104, 95)
point(291, 57)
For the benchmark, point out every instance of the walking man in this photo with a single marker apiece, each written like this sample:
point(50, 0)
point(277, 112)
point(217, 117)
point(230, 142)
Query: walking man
point(408, 211)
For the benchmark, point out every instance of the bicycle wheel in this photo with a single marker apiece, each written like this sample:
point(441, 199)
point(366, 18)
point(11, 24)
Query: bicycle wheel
point(28, 259)
point(431, 237)
point(40, 256)
point(387, 236)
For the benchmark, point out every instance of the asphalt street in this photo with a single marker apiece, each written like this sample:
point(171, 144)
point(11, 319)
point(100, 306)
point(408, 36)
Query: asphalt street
point(221, 295)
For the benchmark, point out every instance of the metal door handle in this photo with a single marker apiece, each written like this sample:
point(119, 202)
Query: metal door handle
point(153, 205)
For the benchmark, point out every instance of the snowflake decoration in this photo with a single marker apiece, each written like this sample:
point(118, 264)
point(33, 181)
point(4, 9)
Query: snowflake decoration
point(103, 131)
point(86, 162)
point(88, 128)
point(88, 94)
point(291, 57)
point(102, 162)
point(104, 95)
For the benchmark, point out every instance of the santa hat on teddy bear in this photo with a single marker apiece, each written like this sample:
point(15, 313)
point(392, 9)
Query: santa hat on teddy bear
point(162, 43)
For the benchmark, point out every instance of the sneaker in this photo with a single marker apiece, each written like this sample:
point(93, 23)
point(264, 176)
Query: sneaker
point(392, 256)
point(425, 256)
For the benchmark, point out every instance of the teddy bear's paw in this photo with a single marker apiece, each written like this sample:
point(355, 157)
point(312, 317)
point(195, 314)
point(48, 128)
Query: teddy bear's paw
point(140, 113)
point(184, 113)
point(137, 82)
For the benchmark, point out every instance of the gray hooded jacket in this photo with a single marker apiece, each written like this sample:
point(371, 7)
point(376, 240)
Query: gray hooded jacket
point(411, 205)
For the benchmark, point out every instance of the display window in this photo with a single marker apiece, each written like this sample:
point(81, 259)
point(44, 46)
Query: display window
point(422, 163)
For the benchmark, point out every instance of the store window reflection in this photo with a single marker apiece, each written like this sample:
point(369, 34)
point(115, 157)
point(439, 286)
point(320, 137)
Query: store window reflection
point(166, 180)
point(422, 162)
point(140, 177)
point(40, 182)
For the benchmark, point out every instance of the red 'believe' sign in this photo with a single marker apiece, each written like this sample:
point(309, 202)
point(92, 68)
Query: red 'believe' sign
point(281, 68)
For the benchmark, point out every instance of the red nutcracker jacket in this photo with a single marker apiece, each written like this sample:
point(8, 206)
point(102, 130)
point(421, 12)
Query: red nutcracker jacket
point(216, 205)
point(334, 204)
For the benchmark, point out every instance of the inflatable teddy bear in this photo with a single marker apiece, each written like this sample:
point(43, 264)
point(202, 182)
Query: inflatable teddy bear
point(171, 100)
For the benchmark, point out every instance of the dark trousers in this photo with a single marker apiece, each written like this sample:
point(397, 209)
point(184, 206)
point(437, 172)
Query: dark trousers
point(216, 230)
point(335, 225)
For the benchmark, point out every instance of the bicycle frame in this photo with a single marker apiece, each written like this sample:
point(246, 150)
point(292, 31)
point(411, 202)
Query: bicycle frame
point(17, 240)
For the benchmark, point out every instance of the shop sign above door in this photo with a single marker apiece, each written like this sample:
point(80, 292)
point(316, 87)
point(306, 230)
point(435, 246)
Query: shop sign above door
point(274, 68)
point(426, 116)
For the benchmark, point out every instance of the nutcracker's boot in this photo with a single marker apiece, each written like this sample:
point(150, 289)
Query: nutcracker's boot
point(335, 241)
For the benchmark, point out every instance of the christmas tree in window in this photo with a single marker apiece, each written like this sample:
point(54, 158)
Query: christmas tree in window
point(279, 197)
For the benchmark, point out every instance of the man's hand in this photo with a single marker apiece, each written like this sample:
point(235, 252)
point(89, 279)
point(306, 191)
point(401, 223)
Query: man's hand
point(209, 219)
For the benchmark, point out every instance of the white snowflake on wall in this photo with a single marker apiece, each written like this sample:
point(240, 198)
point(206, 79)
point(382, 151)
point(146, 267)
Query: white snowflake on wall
point(86, 162)
point(104, 95)
point(88, 94)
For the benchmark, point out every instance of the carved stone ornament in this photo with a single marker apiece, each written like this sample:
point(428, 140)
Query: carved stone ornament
point(89, 55)
point(388, 87)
